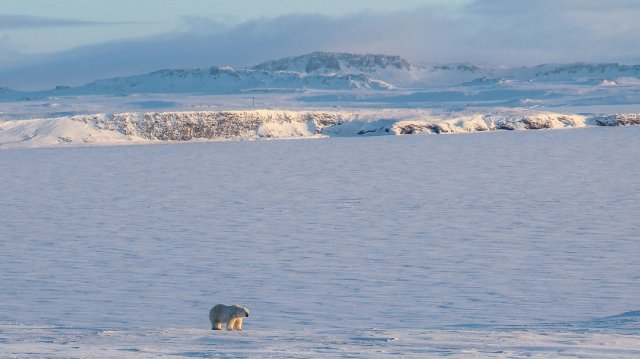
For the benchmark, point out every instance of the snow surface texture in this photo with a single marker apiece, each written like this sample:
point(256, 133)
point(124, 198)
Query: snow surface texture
point(57, 342)
point(185, 126)
point(508, 244)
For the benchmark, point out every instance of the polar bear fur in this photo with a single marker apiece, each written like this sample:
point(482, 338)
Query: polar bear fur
point(232, 315)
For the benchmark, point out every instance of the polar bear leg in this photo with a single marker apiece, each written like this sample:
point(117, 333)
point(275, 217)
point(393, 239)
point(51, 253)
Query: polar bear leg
point(231, 323)
point(217, 325)
point(238, 324)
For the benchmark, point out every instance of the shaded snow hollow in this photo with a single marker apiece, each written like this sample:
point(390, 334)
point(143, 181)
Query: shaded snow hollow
point(104, 129)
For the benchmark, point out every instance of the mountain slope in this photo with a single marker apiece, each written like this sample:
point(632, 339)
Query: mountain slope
point(577, 70)
point(222, 80)
point(337, 63)
point(342, 72)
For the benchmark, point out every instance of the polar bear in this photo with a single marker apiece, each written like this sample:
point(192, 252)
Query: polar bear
point(230, 314)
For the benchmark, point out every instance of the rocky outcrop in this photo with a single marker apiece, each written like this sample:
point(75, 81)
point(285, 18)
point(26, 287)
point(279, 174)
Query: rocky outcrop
point(240, 125)
point(415, 127)
point(323, 62)
point(185, 126)
point(534, 122)
point(618, 120)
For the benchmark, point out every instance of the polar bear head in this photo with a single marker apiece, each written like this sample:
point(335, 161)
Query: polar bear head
point(240, 312)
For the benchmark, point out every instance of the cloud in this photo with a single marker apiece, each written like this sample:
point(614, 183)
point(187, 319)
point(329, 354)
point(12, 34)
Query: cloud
point(28, 22)
point(485, 31)
point(202, 24)
point(10, 53)
point(558, 30)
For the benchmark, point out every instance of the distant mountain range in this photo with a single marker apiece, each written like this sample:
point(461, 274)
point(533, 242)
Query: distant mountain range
point(338, 72)
point(328, 63)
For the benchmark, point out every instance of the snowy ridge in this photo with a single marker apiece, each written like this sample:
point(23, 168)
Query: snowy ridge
point(388, 68)
point(618, 120)
point(221, 80)
point(237, 125)
point(342, 72)
point(571, 71)
point(337, 63)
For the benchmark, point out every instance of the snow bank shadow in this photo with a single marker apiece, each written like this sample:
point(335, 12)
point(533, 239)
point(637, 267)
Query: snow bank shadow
point(627, 322)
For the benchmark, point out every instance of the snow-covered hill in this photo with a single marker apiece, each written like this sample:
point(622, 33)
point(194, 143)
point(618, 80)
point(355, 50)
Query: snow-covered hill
point(388, 68)
point(102, 129)
point(583, 71)
point(473, 75)
point(342, 72)
point(336, 63)
point(392, 69)
point(223, 80)
point(400, 72)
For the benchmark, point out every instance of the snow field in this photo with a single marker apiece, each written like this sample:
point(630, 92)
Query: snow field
point(53, 342)
point(511, 244)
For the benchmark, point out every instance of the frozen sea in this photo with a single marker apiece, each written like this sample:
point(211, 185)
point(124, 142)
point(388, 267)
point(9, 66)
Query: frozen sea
point(504, 244)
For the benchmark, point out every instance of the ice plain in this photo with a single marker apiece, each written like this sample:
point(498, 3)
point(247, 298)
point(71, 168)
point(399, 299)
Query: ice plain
point(501, 244)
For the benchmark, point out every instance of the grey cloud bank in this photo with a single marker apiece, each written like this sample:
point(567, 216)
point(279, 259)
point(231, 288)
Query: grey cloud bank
point(26, 22)
point(497, 32)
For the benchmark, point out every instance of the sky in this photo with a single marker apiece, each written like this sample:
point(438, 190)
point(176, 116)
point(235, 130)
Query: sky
point(63, 24)
point(45, 43)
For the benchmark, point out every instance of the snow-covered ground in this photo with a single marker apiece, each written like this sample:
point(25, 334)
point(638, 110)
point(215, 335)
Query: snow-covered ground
point(502, 244)
point(61, 342)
